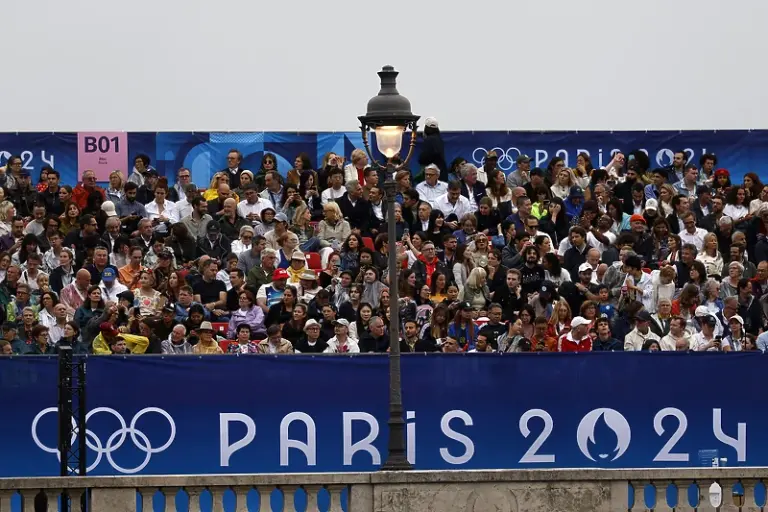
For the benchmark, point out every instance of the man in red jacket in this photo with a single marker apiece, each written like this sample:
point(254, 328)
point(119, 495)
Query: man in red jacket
point(577, 339)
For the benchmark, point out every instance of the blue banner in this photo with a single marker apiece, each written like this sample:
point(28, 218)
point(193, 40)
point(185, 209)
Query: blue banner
point(260, 414)
point(740, 151)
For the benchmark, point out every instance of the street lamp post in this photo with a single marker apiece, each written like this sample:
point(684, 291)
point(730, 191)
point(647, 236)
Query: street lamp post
point(389, 115)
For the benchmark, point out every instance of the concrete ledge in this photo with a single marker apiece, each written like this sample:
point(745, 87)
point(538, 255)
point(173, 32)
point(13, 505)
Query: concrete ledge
point(387, 477)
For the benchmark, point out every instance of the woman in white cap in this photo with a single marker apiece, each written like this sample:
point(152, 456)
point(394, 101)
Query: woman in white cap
point(737, 340)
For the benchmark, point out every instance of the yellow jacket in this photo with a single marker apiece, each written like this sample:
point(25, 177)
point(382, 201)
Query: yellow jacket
point(136, 344)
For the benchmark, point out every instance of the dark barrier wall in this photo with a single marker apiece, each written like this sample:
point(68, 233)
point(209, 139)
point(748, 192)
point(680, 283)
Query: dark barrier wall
point(228, 414)
point(740, 151)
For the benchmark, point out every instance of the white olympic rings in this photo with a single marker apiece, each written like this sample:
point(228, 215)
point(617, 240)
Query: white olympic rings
point(506, 160)
point(115, 441)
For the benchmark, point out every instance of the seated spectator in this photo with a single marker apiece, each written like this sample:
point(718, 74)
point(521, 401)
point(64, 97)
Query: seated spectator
point(275, 343)
point(207, 343)
point(341, 343)
point(177, 342)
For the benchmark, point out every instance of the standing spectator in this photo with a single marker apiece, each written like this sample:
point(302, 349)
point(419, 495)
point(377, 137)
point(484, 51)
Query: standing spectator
point(433, 149)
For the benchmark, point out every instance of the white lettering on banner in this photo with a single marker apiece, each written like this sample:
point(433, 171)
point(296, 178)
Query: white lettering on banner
point(410, 436)
point(665, 454)
point(739, 443)
point(366, 444)
point(27, 158)
point(469, 446)
point(531, 455)
point(225, 449)
point(309, 449)
point(597, 428)
point(507, 158)
point(615, 421)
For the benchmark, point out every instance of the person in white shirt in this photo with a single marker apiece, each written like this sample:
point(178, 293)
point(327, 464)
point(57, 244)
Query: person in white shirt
point(161, 210)
point(335, 186)
point(641, 333)
point(453, 203)
point(273, 190)
point(342, 343)
point(678, 338)
point(432, 188)
point(705, 341)
point(356, 169)
point(691, 234)
point(250, 208)
point(761, 201)
point(184, 205)
point(110, 287)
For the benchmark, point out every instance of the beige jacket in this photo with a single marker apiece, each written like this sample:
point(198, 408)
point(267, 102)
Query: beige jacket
point(285, 347)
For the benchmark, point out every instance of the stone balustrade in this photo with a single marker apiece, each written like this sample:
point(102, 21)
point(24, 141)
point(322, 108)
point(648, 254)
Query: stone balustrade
point(590, 490)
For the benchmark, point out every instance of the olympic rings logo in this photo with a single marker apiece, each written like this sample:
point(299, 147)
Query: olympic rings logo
point(115, 441)
point(507, 158)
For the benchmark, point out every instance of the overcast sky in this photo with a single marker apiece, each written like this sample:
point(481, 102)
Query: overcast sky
point(308, 65)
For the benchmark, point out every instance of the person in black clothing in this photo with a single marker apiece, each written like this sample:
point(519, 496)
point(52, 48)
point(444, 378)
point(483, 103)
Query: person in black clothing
point(605, 340)
point(433, 149)
point(282, 312)
point(531, 274)
point(577, 292)
point(355, 209)
point(293, 329)
point(577, 254)
point(162, 326)
point(494, 328)
point(412, 343)
point(312, 341)
point(510, 297)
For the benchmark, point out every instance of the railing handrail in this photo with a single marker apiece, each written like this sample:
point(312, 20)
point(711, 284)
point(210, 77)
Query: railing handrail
point(386, 477)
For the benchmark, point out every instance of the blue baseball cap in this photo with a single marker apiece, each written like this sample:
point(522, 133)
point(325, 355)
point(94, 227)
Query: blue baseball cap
point(108, 274)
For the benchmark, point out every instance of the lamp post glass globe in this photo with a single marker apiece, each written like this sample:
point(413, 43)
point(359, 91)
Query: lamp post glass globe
point(389, 140)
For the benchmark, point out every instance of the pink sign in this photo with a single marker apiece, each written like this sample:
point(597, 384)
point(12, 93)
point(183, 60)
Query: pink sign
point(102, 152)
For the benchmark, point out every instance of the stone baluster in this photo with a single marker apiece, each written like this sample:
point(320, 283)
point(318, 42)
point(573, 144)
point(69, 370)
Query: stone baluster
point(170, 498)
point(28, 499)
point(289, 497)
point(704, 504)
point(241, 498)
point(5, 500)
point(51, 499)
point(194, 498)
point(750, 503)
point(334, 491)
point(639, 503)
point(75, 499)
point(729, 504)
point(683, 504)
point(265, 498)
point(312, 491)
point(217, 498)
point(660, 487)
point(147, 496)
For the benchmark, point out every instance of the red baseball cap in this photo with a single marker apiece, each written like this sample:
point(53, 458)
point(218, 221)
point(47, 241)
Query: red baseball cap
point(279, 273)
point(637, 218)
point(108, 328)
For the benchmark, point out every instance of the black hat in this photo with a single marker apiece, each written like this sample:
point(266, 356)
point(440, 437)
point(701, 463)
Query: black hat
point(643, 316)
point(547, 286)
point(537, 171)
point(126, 295)
point(213, 227)
point(465, 305)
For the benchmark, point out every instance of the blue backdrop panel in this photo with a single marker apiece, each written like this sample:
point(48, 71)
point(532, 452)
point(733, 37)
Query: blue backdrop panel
point(177, 415)
point(204, 153)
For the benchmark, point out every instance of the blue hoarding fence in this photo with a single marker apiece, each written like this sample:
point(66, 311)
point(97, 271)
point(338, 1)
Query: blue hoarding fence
point(204, 153)
point(217, 415)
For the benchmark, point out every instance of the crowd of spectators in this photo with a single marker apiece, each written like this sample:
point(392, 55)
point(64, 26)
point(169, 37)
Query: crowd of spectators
point(555, 259)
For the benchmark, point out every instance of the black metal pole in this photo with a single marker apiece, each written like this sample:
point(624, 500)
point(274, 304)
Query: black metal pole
point(65, 408)
point(397, 459)
point(81, 413)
